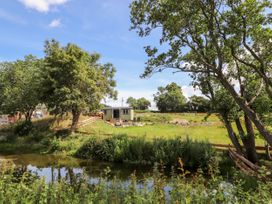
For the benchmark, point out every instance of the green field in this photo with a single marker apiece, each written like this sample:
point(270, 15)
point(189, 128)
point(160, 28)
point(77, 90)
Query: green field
point(215, 132)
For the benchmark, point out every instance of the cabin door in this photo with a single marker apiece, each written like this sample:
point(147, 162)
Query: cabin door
point(116, 114)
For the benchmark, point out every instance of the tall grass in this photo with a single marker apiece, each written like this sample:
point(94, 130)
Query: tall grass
point(157, 189)
point(121, 148)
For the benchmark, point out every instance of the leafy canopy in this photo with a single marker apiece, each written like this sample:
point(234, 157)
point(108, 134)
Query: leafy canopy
point(20, 86)
point(170, 98)
point(138, 104)
point(73, 79)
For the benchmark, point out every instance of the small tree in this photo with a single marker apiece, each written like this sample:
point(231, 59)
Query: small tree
point(74, 81)
point(143, 103)
point(198, 103)
point(20, 86)
point(170, 98)
point(138, 104)
point(132, 102)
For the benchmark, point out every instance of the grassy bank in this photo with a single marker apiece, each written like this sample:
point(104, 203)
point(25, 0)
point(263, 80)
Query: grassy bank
point(120, 148)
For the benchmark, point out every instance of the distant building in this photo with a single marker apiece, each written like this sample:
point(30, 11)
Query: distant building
point(118, 113)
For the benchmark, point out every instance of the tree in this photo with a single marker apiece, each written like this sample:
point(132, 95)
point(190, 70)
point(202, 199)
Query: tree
point(138, 104)
point(132, 102)
point(198, 103)
point(143, 103)
point(170, 98)
point(209, 32)
point(20, 86)
point(74, 81)
point(230, 113)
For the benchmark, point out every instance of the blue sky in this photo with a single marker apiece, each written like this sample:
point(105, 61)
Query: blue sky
point(95, 25)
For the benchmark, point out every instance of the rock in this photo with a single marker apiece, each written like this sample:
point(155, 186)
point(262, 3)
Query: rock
point(180, 122)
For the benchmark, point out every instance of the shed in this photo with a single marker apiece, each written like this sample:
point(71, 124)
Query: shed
point(118, 113)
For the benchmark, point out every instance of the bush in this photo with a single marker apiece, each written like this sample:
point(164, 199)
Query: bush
point(120, 148)
point(23, 128)
point(54, 145)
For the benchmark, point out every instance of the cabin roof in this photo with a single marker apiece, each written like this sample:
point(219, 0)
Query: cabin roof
point(114, 108)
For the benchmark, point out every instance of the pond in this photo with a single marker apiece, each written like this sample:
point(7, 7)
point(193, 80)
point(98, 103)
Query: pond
point(55, 167)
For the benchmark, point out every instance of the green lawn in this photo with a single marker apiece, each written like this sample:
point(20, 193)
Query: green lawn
point(215, 132)
point(191, 117)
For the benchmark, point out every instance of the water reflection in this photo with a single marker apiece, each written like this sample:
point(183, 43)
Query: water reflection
point(56, 167)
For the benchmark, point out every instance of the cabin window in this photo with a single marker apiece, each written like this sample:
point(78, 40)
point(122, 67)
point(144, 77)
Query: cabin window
point(105, 112)
point(125, 111)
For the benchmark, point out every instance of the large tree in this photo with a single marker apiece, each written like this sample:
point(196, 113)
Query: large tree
point(20, 86)
point(170, 98)
point(204, 36)
point(74, 81)
point(251, 89)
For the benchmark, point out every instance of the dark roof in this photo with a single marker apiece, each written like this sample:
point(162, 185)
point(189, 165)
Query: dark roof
point(110, 108)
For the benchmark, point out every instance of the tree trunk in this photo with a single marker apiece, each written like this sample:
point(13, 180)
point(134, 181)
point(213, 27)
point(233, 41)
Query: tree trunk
point(20, 116)
point(267, 151)
point(75, 119)
point(232, 135)
point(250, 141)
point(247, 110)
point(28, 115)
point(241, 131)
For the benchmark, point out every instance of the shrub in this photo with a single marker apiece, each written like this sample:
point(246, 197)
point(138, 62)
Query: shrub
point(23, 128)
point(54, 145)
point(87, 149)
point(63, 133)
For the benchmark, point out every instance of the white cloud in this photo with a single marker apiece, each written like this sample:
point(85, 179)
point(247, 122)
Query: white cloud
point(190, 91)
point(55, 23)
point(42, 5)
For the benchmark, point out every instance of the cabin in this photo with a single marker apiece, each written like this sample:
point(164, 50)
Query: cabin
point(118, 113)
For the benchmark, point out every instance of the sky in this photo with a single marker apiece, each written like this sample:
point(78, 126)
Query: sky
point(100, 26)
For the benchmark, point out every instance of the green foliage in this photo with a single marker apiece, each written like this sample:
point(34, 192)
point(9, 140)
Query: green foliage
point(137, 150)
point(138, 104)
point(170, 98)
point(23, 128)
point(23, 187)
point(201, 38)
point(74, 80)
point(54, 145)
point(20, 86)
point(198, 104)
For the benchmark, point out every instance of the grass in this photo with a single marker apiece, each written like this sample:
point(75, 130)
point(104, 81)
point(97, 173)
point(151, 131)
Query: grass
point(191, 117)
point(194, 155)
point(44, 137)
point(23, 187)
point(212, 133)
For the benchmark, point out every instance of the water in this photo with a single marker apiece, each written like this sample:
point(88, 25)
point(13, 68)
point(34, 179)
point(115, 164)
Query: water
point(55, 167)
